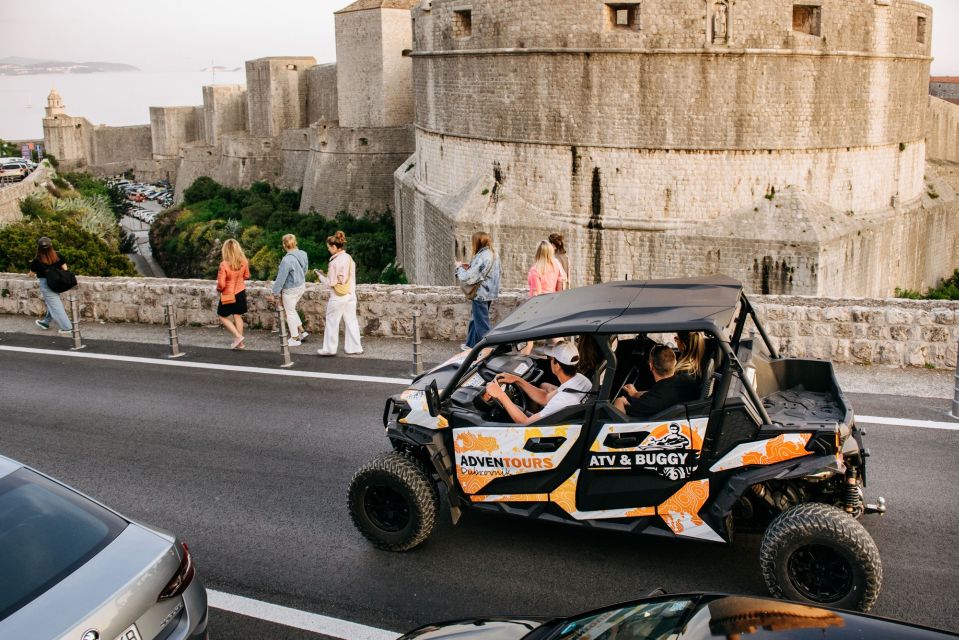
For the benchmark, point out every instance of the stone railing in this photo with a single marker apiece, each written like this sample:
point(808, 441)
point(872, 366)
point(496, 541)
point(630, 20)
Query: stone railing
point(895, 332)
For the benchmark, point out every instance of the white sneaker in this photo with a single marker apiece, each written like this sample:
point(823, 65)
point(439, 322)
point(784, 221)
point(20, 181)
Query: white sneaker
point(65, 332)
point(293, 342)
point(324, 352)
point(41, 325)
point(465, 347)
point(303, 335)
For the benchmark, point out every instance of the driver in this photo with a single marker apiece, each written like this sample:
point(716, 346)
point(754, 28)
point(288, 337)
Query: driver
point(563, 358)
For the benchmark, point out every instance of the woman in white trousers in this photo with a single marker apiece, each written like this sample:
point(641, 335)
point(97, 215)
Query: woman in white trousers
point(342, 302)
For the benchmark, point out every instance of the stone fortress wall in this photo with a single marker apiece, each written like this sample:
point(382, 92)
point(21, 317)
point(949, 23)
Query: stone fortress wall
point(658, 144)
point(900, 333)
point(283, 126)
point(781, 142)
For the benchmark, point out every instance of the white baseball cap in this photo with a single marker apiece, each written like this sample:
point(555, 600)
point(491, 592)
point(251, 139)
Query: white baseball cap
point(564, 353)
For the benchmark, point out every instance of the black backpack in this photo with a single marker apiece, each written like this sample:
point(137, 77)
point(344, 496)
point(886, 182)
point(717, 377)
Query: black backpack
point(60, 280)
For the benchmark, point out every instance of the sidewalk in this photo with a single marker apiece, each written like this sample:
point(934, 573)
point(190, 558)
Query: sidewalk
point(922, 383)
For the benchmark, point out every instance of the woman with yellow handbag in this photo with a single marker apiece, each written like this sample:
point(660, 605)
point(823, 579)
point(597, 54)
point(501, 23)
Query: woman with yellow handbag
point(342, 302)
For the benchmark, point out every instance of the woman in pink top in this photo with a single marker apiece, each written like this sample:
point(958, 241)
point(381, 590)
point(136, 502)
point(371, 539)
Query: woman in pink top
point(231, 283)
point(546, 275)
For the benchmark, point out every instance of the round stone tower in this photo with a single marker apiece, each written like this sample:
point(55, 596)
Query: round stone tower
point(664, 137)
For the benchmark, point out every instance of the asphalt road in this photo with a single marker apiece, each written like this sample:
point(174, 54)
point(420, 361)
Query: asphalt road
point(252, 471)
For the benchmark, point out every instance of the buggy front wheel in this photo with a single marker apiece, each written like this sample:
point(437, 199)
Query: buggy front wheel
point(818, 553)
point(392, 502)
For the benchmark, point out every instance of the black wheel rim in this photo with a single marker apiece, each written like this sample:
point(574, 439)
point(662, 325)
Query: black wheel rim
point(820, 573)
point(387, 508)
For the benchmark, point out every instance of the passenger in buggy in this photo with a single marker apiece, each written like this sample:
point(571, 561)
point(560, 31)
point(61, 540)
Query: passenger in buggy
point(668, 389)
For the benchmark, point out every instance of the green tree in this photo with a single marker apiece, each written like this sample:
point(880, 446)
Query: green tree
point(8, 149)
point(186, 240)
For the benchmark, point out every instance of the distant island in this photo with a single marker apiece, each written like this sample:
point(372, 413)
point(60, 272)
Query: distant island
point(15, 66)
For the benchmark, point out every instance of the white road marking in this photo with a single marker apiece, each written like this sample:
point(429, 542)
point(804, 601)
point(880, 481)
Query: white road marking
point(906, 422)
point(295, 618)
point(898, 422)
point(208, 365)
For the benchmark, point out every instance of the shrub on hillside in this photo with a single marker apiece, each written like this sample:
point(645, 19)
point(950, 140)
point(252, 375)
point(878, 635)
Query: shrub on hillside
point(82, 230)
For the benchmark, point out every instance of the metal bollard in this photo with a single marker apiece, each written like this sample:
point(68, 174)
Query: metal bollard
point(75, 310)
point(169, 314)
point(955, 394)
point(284, 347)
point(417, 354)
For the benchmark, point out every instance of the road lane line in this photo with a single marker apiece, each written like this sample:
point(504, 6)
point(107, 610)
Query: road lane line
point(884, 420)
point(906, 422)
point(295, 618)
point(208, 365)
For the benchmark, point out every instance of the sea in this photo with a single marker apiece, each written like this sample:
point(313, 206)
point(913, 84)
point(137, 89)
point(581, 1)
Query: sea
point(118, 99)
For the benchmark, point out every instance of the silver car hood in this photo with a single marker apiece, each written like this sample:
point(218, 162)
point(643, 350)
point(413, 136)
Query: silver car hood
point(108, 593)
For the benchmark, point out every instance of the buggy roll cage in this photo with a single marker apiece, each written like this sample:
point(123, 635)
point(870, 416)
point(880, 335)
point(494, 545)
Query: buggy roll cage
point(746, 312)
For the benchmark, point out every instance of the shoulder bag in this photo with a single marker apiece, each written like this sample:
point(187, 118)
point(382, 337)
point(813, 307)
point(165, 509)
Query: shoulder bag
point(470, 290)
point(60, 280)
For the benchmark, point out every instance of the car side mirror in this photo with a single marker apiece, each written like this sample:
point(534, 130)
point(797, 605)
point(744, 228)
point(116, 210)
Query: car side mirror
point(433, 398)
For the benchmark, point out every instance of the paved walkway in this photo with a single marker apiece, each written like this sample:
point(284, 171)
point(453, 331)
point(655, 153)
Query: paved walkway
point(923, 383)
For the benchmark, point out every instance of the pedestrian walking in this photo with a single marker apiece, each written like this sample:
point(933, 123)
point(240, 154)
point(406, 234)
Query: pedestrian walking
point(342, 303)
point(559, 246)
point(46, 260)
point(546, 275)
point(290, 285)
point(479, 279)
point(231, 283)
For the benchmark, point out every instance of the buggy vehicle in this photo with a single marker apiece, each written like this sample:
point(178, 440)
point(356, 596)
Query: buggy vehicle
point(770, 445)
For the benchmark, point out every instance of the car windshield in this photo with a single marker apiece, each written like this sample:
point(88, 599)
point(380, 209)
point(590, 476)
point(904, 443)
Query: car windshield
point(46, 533)
point(655, 620)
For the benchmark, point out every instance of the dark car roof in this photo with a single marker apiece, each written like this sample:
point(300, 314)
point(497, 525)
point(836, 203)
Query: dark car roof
point(631, 306)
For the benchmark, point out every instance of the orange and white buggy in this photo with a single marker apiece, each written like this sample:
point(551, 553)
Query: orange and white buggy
point(768, 444)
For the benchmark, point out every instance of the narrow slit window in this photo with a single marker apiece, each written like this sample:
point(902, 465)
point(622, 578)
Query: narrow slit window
point(462, 23)
point(921, 29)
point(807, 19)
point(622, 16)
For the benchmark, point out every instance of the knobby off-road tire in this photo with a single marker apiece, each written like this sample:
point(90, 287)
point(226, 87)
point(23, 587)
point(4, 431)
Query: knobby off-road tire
point(820, 554)
point(393, 502)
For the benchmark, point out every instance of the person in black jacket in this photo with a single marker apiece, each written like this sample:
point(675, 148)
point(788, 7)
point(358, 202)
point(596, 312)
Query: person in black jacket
point(669, 389)
point(47, 258)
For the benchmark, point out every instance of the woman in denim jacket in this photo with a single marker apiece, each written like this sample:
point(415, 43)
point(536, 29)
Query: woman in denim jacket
point(290, 285)
point(483, 268)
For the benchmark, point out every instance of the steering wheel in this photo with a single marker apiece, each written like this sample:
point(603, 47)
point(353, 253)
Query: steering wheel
point(497, 412)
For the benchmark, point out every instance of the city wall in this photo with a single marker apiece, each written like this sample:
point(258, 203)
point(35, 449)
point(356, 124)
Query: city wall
point(11, 196)
point(892, 332)
point(942, 140)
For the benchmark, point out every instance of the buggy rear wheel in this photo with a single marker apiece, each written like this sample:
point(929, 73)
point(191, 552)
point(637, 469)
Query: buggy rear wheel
point(393, 502)
point(820, 554)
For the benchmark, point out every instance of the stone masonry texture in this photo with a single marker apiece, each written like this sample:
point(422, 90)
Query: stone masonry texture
point(893, 332)
point(642, 142)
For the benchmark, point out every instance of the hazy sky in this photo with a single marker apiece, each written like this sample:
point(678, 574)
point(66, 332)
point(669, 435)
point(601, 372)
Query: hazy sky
point(185, 35)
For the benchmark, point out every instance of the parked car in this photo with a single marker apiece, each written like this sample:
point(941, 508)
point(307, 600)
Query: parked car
point(73, 568)
point(13, 171)
point(695, 616)
point(766, 443)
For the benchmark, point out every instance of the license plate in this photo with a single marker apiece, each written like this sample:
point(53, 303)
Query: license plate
point(130, 633)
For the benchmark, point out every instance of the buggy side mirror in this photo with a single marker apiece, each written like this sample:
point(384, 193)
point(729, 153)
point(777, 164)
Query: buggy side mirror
point(433, 398)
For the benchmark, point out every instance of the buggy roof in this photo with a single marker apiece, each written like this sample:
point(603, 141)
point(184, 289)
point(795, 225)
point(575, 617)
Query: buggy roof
point(632, 306)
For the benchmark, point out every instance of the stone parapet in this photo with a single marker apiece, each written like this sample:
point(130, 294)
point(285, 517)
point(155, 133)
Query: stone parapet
point(892, 332)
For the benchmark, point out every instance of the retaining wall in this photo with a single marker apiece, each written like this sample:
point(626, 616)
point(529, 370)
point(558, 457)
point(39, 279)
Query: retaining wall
point(894, 332)
point(10, 196)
